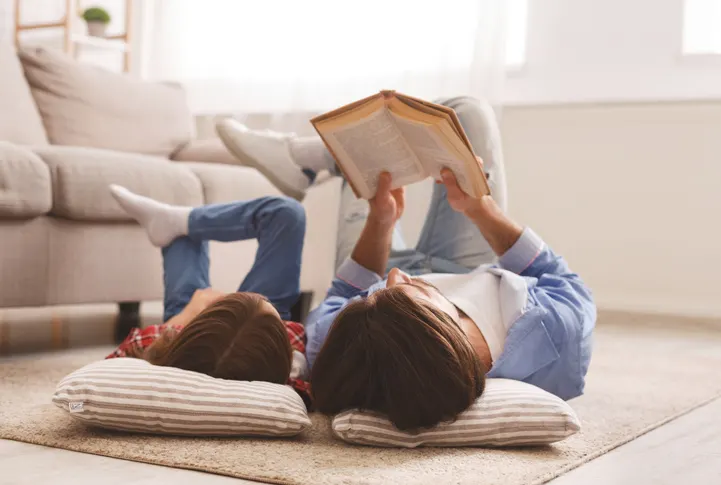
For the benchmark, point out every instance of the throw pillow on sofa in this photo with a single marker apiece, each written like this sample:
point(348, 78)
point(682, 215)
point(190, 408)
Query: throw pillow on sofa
point(508, 413)
point(84, 105)
point(133, 395)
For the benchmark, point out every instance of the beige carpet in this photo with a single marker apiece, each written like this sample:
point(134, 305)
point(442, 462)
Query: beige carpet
point(641, 376)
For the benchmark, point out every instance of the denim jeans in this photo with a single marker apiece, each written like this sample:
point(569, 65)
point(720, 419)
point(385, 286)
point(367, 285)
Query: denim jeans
point(449, 242)
point(277, 223)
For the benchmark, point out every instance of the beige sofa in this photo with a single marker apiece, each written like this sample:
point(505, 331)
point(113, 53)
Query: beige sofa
point(67, 130)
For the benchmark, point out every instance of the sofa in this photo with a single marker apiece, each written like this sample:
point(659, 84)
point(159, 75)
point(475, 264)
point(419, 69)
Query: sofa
point(67, 130)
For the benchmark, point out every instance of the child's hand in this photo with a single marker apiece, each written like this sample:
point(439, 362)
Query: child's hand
point(202, 299)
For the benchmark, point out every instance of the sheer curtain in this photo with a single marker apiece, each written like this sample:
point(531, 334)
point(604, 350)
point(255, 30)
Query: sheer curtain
point(275, 56)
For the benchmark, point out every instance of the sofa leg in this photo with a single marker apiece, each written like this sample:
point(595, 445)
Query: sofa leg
point(300, 310)
point(128, 317)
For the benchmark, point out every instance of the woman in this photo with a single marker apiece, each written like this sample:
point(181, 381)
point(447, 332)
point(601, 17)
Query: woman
point(419, 349)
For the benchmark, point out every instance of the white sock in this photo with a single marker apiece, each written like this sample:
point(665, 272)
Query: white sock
point(310, 152)
point(163, 222)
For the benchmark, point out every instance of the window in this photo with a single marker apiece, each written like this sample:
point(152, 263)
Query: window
point(516, 34)
point(322, 53)
point(702, 27)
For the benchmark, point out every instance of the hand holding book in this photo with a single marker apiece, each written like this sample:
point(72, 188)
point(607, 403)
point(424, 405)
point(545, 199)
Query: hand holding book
point(410, 138)
point(387, 205)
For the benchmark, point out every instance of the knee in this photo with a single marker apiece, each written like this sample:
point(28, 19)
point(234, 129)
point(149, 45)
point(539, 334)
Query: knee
point(463, 102)
point(478, 109)
point(479, 122)
point(288, 210)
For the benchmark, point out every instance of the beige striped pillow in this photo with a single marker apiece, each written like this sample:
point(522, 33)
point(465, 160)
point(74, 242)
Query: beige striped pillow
point(507, 413)
point(133, 395)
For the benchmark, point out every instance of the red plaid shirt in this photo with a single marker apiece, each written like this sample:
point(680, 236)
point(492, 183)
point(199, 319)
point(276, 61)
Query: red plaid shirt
point(140, 339)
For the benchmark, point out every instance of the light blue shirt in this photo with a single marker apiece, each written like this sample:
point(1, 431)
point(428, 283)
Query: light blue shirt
point(549, 345)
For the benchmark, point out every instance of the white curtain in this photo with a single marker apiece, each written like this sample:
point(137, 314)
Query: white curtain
point(275, 56)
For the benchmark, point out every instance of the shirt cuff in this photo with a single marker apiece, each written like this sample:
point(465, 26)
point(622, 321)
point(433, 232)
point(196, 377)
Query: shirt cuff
point(356, 275)
point(523, 252)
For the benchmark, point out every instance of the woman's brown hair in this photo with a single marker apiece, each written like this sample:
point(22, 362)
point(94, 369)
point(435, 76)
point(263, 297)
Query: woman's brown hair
point(398, 356)
point(234, 338)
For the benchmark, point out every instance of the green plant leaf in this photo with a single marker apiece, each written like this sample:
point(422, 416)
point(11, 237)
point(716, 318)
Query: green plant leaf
point(96, 14)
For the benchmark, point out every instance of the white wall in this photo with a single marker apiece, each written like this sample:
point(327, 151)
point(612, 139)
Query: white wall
point(627, 192)
point(630, 194)
point(610, 50)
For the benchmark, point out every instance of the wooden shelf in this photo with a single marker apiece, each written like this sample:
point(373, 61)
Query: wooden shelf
point(46, 25)
point(119, 42)
point(111, 43)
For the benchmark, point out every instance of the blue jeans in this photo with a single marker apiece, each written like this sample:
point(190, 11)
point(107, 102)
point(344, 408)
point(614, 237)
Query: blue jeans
point(278, 224)
point(449, 242)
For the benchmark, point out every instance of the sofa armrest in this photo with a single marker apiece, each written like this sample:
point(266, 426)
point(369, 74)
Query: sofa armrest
point(211, 150)
point(25, 187)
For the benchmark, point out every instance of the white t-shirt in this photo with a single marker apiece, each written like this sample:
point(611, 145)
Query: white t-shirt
point(479, 295)
point(299, 367)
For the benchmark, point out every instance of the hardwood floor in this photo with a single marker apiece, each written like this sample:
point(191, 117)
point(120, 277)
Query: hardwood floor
point(685, 451)
point(18, 462)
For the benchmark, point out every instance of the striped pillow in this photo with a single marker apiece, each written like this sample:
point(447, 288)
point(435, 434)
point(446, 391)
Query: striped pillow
point(134, 395)
point(507, 413)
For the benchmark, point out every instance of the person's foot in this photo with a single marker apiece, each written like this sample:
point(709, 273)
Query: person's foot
point(163, 222)
point(268, 152)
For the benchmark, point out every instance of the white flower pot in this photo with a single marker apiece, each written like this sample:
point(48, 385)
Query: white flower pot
point(97, 29)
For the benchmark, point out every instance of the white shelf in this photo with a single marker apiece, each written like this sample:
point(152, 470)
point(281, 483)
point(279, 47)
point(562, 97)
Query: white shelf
point(100, 42)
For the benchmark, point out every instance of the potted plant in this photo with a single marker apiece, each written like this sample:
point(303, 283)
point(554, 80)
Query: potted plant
point(97, 19)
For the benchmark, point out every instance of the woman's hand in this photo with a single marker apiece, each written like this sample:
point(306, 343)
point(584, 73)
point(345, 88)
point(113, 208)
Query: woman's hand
point(499, 231)
point(387, 206)
point(374, 244)
point(461, 202)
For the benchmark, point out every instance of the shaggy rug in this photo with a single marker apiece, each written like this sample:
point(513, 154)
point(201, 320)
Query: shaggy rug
point(641, 376)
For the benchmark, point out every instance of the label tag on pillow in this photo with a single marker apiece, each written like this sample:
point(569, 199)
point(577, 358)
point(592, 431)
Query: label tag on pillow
point(76, 407)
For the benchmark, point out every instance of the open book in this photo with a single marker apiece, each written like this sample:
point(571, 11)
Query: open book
point(408, 137)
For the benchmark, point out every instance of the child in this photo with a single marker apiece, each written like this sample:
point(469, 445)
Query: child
point(237, 336)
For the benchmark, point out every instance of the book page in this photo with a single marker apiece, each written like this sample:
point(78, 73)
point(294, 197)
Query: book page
point(456, 136)
point(369, 146)
point(427, 141)
point(437, 110)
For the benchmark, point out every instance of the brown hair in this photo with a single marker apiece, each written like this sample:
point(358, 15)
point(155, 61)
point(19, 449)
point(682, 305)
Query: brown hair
point(233, 338)
point(398, 356)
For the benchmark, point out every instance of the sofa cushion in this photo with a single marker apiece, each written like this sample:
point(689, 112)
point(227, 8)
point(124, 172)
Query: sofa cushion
point(226, 183)
point(25, 189)
point(80, 178)
point(84, 105)
point(19, 118)
point(210, 151)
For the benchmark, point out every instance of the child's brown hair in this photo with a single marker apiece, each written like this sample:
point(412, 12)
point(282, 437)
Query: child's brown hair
point(234, 338)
